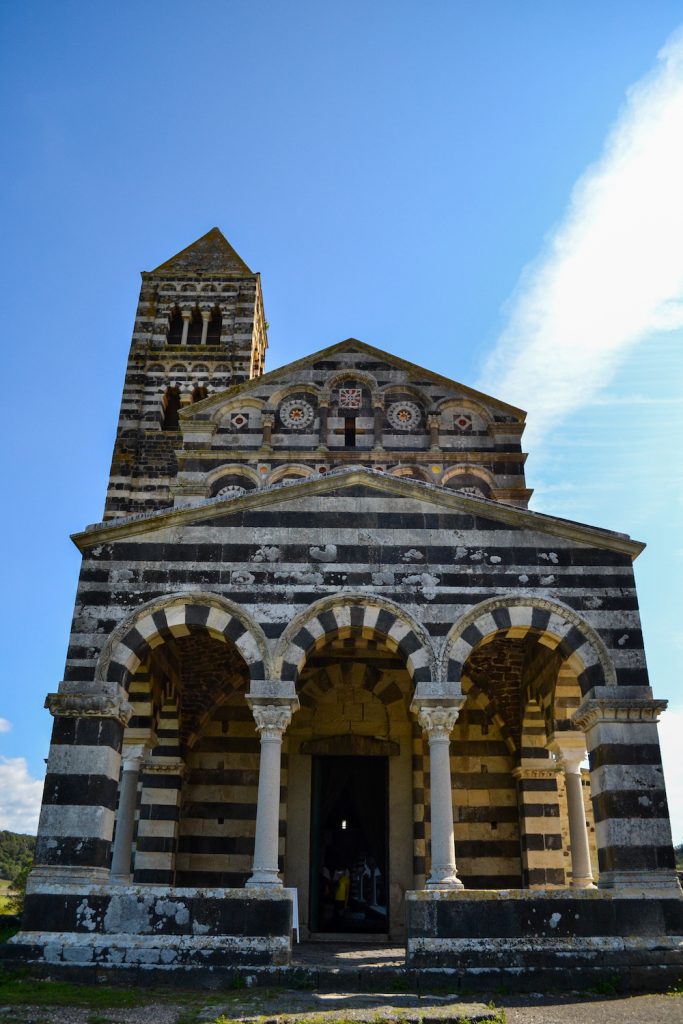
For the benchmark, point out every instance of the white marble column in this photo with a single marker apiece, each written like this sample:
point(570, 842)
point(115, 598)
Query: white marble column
point(437, 721)
point(206, 317)
point(131, 758)
point(187, 316)
point(569, 749)
point(271, 722)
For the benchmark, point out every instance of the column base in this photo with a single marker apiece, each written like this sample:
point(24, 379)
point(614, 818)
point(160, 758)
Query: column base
point(124, 879)
point(585, 882)
point(444, 879)
point(264, 877)
point(65, 874)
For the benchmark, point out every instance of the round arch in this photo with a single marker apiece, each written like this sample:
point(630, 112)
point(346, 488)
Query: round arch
point(292, 470)
point(305, 387)
point(228, 468)
point(180, 615)
point(463, 467)
point(360, 375)
point(366, 614)
point(561, 627)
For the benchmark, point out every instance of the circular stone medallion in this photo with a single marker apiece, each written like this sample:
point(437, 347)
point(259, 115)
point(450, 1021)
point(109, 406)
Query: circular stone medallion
point(296, 414)
point(404, 415)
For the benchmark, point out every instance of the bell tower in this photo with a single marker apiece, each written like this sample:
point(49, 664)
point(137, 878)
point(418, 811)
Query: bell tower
point(199, 328)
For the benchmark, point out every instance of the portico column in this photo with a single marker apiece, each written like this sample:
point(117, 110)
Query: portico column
point(271, 721)
point(187, 316)
point(120, 873)
point(206, 316)
point(570, 750)
point(437, 722)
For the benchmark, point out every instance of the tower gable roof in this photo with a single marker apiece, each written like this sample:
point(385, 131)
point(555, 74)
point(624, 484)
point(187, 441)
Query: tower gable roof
point(210, 254)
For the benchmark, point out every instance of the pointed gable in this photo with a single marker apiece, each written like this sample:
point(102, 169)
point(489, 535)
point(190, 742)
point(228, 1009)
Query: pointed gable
point(210, 254)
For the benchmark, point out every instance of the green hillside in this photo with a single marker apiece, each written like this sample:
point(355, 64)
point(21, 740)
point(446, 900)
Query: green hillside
point(16, 852)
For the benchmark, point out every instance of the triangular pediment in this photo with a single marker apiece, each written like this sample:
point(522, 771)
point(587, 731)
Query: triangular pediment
point(357, 482)
point(413, 371)
point(210, 254)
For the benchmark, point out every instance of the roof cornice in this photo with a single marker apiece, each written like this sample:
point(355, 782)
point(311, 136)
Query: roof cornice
point(290, 490)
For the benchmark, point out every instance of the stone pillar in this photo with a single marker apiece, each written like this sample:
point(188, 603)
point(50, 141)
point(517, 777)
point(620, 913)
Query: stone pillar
point(539, 823)
point(267, 421)
point(570, 750)
point(81, 784)
point(120, 873)
point(434, 422)
point(378, 427)
point(437, 721)
point(157, 844)
point(632, 828)
point(323, 412)
point(272, 719)
point(187, 316)
point(206, 317)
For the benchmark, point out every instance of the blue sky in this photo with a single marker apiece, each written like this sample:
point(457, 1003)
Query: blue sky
point(491, 189)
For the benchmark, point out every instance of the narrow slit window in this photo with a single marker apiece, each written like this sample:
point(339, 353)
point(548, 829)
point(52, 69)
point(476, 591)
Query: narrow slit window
point(349, 432)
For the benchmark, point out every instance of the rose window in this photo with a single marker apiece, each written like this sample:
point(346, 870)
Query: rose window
point(404, 415)
point(231, 491)
point(296, 414)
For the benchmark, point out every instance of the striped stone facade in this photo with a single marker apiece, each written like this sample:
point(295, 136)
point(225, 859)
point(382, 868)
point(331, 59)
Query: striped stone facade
point(324, 554)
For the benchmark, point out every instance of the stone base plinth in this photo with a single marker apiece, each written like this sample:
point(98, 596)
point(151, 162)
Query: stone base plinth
point(157, 926)
point(522, 929)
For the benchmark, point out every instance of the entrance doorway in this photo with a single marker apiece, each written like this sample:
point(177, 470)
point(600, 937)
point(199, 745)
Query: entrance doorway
point(349, 849)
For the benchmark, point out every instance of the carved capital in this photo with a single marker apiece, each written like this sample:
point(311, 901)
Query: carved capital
point(108, 703)
point(605, 710)
point(164, 765)
point(438, 721)
point(434, 420)
point(271, 719)
point(569, 750)
point(132, 755)
point(267, 419)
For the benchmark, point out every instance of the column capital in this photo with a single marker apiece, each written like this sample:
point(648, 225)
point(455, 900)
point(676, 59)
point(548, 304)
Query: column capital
point(267, 419)
point(271, 720)
point(569, 749)
point(377, 401)
point(186, 314)
point(535, 769)
point(437, 720)
point(105, 701)
point(606, 710)
point(206, 314)
point(132, 755)
point(434, 419)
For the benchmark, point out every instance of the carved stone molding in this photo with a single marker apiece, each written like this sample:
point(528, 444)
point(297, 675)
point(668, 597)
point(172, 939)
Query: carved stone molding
point(107, 704)
point(605, 710)
point(164, 765)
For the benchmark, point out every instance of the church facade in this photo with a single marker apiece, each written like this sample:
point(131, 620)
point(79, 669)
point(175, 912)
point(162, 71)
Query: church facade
point(324, 658)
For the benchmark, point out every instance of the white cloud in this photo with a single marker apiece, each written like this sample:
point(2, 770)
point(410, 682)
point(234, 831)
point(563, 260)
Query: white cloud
point(20, 796)
point(5, 726)
point(611, 274)
point(670, 731)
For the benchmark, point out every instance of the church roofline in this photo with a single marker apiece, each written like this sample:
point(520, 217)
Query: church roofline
point(410, 368)
point(290, 490)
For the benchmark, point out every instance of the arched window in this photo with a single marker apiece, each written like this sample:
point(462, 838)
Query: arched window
point(199, 393)
point(194, 333)
point(171, 407)
point(175, 328)
point(213, 336)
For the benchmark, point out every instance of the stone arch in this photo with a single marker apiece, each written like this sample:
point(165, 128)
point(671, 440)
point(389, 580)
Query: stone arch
point(229, 468)
point(245, 402)
point(560, 628)
point(412, 473)
point(478, 698)
point(467, 468)
point(360, 375)
point(466, 403)
point(181, 615)
point(305, 387)
point(406, 389)
point(369, 615)
point(293, 470)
